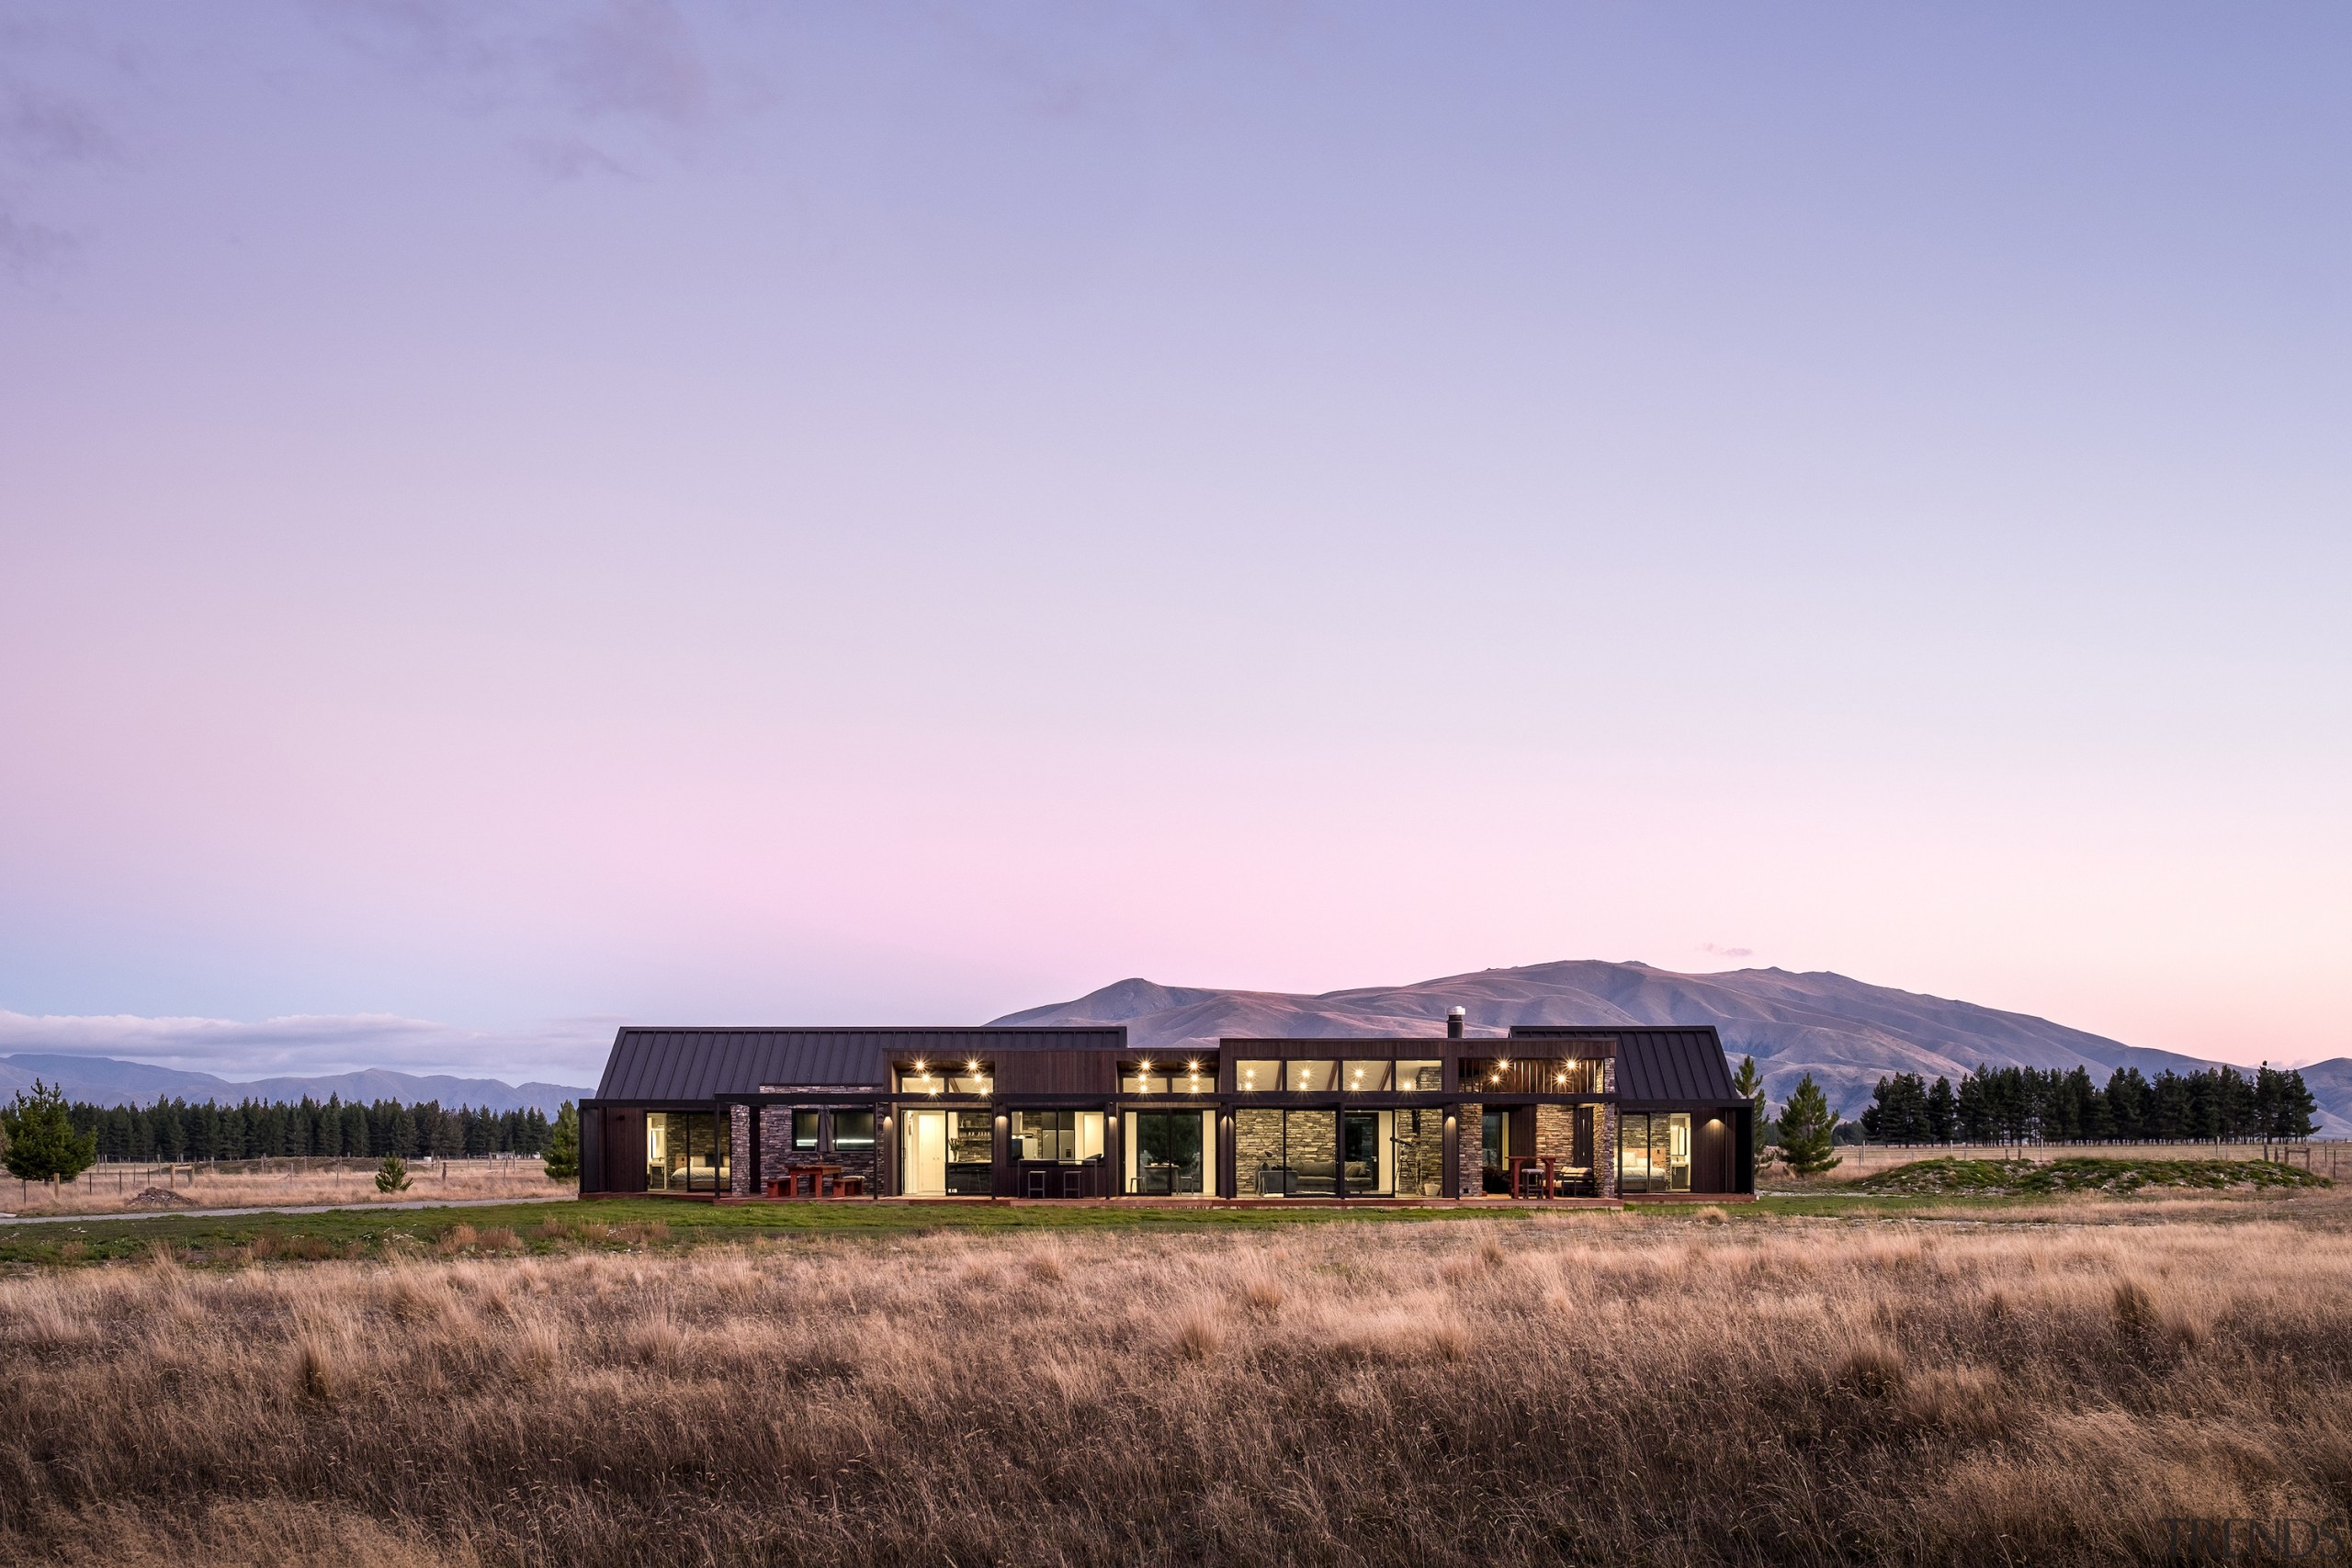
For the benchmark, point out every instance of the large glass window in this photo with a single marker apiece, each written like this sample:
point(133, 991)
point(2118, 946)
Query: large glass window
point(1653, 1152)
point(1367, 1156)
point(852, 1129)
point(1367, 1077)
point(683, 1152)
point(971, 1152)
point(1420, 1078)
point(1168, 1151)
point(1633, 1152)
point(1287, 1153)
point(1249, 1076)
point(1045, 1135)
point(1420, 1150)
point(1142, 1077)
point(1493, 1151)
point(804, 1129)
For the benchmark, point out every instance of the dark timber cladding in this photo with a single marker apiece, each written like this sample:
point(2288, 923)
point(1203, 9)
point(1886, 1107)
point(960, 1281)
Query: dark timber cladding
point(1552, 1111)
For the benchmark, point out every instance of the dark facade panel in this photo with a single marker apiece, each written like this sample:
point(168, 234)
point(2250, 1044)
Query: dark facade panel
point(1056, 1072)
point(1671, 1064)
point(648, 1066)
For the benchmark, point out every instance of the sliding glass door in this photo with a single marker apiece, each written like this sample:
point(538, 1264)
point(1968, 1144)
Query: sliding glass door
point(1168, 1151)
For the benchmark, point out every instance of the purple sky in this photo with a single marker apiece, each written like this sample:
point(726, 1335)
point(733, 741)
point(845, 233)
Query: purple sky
point(524, 517)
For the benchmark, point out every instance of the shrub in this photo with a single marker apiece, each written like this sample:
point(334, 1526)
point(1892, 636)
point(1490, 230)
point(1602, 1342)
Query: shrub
point(392, 1175)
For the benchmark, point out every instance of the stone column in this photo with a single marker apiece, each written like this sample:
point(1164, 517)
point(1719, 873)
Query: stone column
point(738, 1151)
point(1604, 1154)
point(1470, 1155)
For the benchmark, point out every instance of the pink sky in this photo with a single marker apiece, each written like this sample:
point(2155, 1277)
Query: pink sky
point(901, 516)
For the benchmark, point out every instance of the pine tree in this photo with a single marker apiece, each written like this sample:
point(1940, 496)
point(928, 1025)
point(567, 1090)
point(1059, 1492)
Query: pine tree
point(1806, 1129)
point(563, 1144)
point(392, 1175)
point(1942, 1113)
point(1750, 1085)
point(43, 1144)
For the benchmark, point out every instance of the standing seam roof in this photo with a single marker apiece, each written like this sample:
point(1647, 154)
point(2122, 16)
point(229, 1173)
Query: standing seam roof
point(1657, 1062)
point(695, 1064)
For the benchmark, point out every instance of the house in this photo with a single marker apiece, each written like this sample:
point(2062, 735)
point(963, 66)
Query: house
point(1603, 1111)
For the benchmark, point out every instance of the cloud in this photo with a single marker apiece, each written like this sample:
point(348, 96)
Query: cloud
point(312, 1043)
point(632, 58)
point(27, 247)
point(569, 158)
point(635, 61)
point(1727, 952)
point(42, 128)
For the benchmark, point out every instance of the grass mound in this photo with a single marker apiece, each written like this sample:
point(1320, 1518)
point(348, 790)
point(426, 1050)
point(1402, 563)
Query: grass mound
point(2081, 1173)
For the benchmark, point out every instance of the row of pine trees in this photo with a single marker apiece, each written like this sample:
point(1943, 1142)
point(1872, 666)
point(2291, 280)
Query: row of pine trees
point(184, 1130)
point(2050, 1106)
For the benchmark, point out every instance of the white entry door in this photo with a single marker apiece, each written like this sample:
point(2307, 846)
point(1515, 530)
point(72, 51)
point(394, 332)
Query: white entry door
point(926, 1153)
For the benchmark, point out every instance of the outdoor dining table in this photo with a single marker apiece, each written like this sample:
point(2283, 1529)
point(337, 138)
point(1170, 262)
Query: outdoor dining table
point(1525, 1166)
point(819, 1178)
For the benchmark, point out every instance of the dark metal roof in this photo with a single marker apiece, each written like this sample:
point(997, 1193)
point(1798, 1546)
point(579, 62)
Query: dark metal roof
point(1670, 1063)
point(695, 1064)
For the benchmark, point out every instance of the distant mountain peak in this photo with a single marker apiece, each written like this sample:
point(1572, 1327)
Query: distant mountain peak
point(1847, 1033)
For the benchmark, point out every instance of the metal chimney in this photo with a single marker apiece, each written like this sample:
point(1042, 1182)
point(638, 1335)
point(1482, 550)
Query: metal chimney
point(1454, 1023)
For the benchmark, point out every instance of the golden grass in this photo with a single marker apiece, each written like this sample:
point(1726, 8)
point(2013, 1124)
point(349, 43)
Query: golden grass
point(106, 1190)
point(1585, 1388)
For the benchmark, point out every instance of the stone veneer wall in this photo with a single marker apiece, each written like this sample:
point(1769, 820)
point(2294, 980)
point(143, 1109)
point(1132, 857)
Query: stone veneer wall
point(1420, 1158)
point(738, 1151)
point(1556, 1132)
point(1257, 1140)
point(1311, 1142)
point(1470, 1153)
point(1604, 1154)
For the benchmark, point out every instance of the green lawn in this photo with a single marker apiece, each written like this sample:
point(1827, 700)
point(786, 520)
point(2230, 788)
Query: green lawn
point(626, 1222)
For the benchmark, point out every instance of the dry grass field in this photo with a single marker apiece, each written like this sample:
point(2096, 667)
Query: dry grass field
point(106, 1189)
point(1587, 1388)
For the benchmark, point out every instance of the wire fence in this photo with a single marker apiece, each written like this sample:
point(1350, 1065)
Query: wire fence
point(255, 1178)
point(2321, 1156)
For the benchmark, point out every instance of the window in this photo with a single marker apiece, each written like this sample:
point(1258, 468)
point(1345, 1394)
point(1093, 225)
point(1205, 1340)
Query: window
point(1420, 1078)
point(1045, 1135)
point(684, 1153)
point(971, 1152)
point(972, 1077)
point(1493, 1151)
point(920, 1077)
point(1165, 1151)
point(1249, 1076)
point(1287, 1153)
point(1653, 1152)
point(1367, 1077)
point(852, 1129)
point(1142, 1077)
point(804, 1129)
point(1310, 1077)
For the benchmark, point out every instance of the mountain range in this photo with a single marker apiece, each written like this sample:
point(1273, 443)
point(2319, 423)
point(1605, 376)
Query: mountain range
point(1846, 1033)
point(103, 1080)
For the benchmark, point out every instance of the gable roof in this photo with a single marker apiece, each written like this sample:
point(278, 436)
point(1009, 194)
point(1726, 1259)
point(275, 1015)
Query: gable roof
point(1673, 1063)
point(695, 1064)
